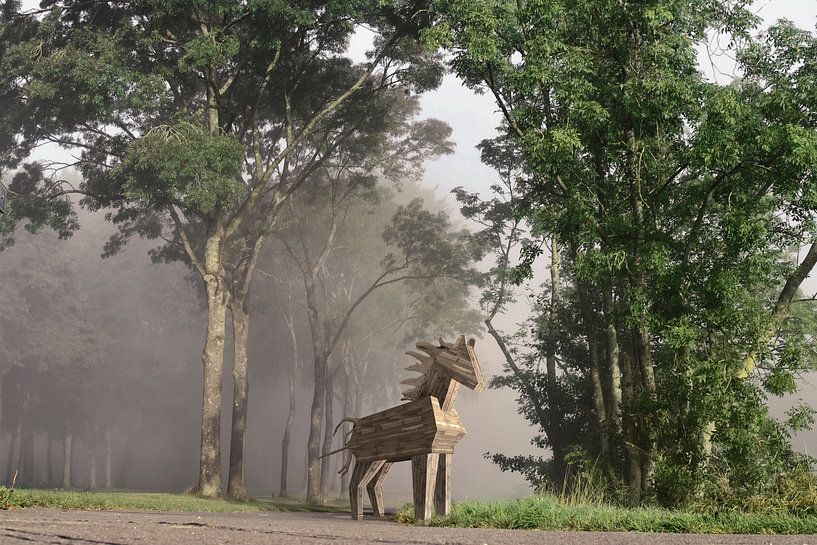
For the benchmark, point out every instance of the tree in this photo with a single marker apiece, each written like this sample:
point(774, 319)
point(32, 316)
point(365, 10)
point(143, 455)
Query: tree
point(675, 202)
point(204, 117)
point(420, 246)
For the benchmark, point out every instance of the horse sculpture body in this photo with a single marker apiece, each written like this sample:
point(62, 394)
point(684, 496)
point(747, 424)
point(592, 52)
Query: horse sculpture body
point(424, 430)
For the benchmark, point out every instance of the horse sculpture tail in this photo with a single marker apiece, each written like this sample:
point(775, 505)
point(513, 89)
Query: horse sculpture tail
point(345, 468)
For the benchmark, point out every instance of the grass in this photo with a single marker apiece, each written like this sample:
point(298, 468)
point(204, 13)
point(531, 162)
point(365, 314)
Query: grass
point(534, 513)
point(547, 513)
point(148, 501)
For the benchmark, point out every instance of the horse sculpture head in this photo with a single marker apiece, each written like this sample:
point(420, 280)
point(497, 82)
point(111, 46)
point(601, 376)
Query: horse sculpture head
point(442, 369)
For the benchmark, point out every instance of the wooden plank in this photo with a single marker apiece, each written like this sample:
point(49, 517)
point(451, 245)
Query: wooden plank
point(423, 478)
point(375, 489)
point(457, 368)
point(442, 488)
point(363, 473)
point(472, 354)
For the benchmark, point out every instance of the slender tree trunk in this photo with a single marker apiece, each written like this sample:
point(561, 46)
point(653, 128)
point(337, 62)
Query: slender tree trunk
point(124, 465)
point(108, 458)
point(49, 470)
point(11, 466)
point(236, 487)
point(614, 388)
point(288, 432)
point(554, 416)
point(650, 446)
point(27, 475)
point(348, 412)
point(290, 417)
point(67, 453)
point(313, 447)
point(293, 368)
point(631, 436)
point(328, 421)
point(213, 362)
point(599, 404)
point(92, 467)
point(642, 342)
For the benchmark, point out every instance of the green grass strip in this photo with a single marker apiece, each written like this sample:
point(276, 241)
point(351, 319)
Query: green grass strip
point(546, 513)
point(149, 501)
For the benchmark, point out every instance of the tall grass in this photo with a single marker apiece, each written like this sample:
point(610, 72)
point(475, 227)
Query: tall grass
point(547, 512)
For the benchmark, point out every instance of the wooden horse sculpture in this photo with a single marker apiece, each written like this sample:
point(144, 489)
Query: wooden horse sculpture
point(425, 431)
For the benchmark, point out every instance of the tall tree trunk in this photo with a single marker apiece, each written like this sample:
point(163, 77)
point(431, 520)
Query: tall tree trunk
point(313, 447)
point(11, 466)
point(92, 466)
point(27, 471)
point(348, 412)
point(289, 319)
point(288, 431)
point(124, 464)
point(213, 362)
point(554, 416)
point(613, 366)
point(633, 455)
point(649, 445)
point(108, 458)
point(49, 469)
point(328, 421)
point(236, 487)
point(599, 404)
point(642, 342)
point(67, 454)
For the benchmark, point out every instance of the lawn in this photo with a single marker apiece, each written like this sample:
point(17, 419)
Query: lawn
point(149, 501)
point(547, 513)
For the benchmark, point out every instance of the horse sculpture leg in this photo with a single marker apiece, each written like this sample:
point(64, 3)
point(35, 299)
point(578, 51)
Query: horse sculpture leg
point(424, 477)
point(361, 475)
point(442, 489)
point(375, 489)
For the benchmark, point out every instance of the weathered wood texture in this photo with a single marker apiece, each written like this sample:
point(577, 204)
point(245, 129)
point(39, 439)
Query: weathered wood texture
point(424, 478)
point(425, 430)
point(442, 490)
point(397, 434)
point(364, 472)
point(375, 489)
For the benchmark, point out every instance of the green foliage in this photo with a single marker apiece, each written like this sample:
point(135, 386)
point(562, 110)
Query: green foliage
point(34, 205)
point(676, 202)
point(7, 500)
point(185, 164)
point(793, 493)
point(547, 513)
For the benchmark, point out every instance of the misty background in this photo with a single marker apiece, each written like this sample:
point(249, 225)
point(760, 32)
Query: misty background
point(121, 348)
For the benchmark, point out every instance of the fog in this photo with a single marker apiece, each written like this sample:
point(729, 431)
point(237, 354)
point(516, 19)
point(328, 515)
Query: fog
point(121, 350)
point(110, 350)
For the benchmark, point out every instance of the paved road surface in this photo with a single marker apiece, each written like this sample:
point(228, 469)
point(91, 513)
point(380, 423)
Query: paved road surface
point(51, 526)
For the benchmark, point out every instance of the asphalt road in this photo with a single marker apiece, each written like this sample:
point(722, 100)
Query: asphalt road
point(32, 526)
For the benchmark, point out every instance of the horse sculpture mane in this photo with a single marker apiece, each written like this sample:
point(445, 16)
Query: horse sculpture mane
point(424, 430)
